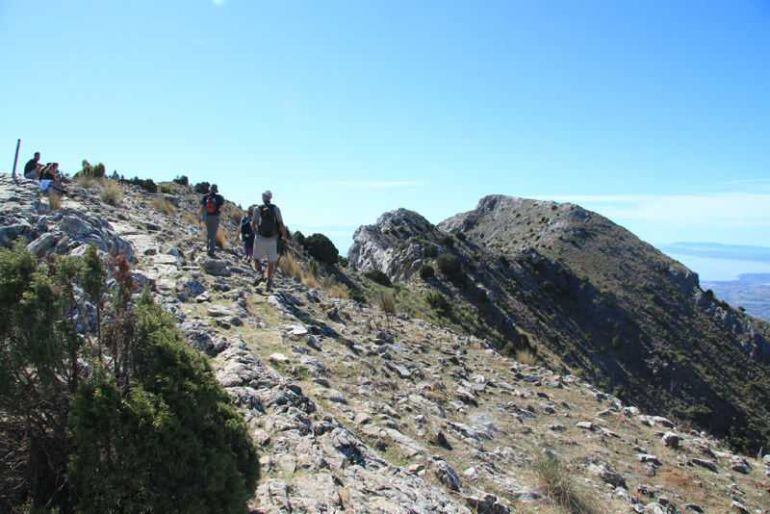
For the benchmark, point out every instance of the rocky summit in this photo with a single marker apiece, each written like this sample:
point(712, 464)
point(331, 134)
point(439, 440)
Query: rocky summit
point(527, 357)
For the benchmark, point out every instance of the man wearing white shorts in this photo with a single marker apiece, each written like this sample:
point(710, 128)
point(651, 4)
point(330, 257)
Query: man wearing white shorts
point(268, 224)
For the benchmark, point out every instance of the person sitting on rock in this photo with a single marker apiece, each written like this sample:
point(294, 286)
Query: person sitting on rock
point(33, 167)
point(211, 205)
point(247, 233)
point(267, 224)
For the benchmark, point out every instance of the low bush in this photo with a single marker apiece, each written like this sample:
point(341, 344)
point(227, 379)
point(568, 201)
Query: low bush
point(147, 184)
point(201, 188)
point(449, 265)
point(121, 417)
point(379, 277)
point(430, 251)
point(322, 249)
point(182, 180)
point(387, 303)
point(427, 272)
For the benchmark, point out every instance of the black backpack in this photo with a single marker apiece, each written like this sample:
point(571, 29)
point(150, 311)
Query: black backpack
point(268, 221)
point(246, 230)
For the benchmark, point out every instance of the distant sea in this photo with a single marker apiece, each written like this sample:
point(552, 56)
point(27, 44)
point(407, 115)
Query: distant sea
point(739, 275)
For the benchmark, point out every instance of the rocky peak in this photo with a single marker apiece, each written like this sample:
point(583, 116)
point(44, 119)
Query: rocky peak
point(395, 244)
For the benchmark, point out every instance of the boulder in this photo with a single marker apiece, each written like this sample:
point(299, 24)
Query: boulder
point(216, 267)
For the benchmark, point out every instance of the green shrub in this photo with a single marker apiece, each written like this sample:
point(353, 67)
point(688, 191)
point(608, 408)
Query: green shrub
point(201, 188)
point(147, 429)
point(147, 184)
point(322, 249)
point(449, 265)
point(379, 277)
point(182, 180)
point(427, 272)
point(448, 241)
point(299, 237)
point(430, 251)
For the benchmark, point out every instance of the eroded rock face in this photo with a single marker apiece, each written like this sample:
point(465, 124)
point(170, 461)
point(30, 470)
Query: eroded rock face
point(395, 245)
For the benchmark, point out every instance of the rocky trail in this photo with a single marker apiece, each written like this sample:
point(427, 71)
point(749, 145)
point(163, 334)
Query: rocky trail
point(356, 412)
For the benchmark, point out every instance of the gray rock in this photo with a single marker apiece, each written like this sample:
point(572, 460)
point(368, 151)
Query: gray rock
point(446, 474)
point(216, 267)
point(671, 439)
point(42, 245)
point(705, 463)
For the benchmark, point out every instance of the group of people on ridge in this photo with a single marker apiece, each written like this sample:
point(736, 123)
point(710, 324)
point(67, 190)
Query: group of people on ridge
point(261, 230)
point(47, 174)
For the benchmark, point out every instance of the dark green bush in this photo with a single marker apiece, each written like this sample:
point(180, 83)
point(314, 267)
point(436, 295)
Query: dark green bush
point(379, 277)
point(448, 241)
point(201, 188)
point(182, 180)
point(449, 265)
point(430, 251)
point(298, 237)
point(322, 249)
point(147, 429)
point(427, 272)
point(144, 183)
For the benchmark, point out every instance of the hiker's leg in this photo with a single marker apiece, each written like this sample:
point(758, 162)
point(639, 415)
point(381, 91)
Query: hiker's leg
point(212, 224)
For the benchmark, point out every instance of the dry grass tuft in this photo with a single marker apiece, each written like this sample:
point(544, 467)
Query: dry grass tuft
point(335, 289)
point(310, 276)
point(87, 181)
point(387, 303)
point(54, 201)
point(162, 205)
point(526, 357)
point(291, 267)
point(558, 485)
point(112, 193)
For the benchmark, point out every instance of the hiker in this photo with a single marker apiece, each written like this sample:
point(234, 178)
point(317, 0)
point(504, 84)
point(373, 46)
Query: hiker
point(247, 233)
point(49, 179)
point(211, 204)
point(33, 166)
point(268, 225)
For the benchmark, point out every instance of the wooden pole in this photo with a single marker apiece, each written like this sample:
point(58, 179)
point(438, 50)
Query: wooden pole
point(16, 159)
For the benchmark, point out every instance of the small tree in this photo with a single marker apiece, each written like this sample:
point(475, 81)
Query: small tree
point(201, 188)
point(449, 265)
point(182, 180)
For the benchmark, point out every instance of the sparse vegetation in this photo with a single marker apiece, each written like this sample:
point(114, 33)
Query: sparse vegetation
point(95, 171)
point(558, 485)
point(145, 184)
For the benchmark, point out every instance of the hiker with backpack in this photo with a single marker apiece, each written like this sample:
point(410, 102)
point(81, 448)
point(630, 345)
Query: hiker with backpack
point(211, 205)
point(267, 224)
point(247, 233)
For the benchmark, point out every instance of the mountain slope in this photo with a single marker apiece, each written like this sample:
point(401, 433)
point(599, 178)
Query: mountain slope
point(587, 294)
point(358, 411)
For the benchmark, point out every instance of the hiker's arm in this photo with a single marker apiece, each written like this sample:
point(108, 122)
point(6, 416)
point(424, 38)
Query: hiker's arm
point(282, 227)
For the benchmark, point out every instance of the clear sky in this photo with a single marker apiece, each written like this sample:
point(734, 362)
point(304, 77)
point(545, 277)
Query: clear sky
point(656, 113)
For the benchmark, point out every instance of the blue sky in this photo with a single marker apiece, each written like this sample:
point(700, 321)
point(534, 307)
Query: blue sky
point(654, 113)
